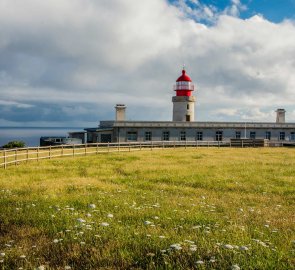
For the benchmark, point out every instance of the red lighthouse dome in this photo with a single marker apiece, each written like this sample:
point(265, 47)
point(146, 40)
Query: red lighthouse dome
point(184, 77)
point(184, 85)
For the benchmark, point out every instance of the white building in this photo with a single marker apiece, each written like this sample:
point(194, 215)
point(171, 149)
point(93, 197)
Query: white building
point(183, 127)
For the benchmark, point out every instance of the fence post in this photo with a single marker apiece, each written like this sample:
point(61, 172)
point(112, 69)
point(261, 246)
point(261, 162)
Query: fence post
point(96, 147)
point(73, 150)
point(218, 144)
point(242, 144)
point(129, 147)
point(49, 151)
point(15, 157)
point(108, 147)
point(62, 150)
point(5, 160)
point(85, 149)
point(152, 146)
point(27, 154)
point(38, 153)
point(140, 145)
point(185, 144)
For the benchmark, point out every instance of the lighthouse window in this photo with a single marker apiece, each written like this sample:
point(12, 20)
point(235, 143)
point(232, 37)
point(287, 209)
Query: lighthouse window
point(148, 136)
point(199, 136)
point(166, 135)
point(282, 136)
point(182, 135)
point(187, 106)
point(132, 136)
point(292, 137)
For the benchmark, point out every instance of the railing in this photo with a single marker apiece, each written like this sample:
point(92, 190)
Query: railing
point(18, 155)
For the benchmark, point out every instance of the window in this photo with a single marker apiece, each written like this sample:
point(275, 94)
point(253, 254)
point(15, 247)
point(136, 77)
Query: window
point(132, 136)
point(252, 135)
point(218, 136)
point(268, 135)
point(238, 134)
point(188, 118)
point(199, 136)
point(182, 135)
point(148, 136)
point(292, 137)
point(187, 106)
point(282, 136)
point(166, 136)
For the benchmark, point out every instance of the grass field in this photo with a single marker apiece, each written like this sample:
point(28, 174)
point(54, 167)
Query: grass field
point(165, 209)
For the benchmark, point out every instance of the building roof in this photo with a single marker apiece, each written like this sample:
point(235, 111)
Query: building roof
point(184, 77)
point(215, 125)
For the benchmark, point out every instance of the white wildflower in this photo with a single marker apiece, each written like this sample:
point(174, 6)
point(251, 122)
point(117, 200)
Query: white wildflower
point(92, 206)
point(244, 248)
point(228, 246)
point(2, 254)
point(81, 220)
point(22, 256)
point(110, 215)
point(199, 262)
point(55, 241)
point(176, 247)
point(235, 267)
point(104, 224)
point(147, 222)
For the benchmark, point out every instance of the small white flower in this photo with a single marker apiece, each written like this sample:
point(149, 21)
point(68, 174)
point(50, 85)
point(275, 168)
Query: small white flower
point(235, 267)
point(88, 215)
point(110, 215)
point(193, 248)
point(244, 248)
point(67, 267)
point(104, 224)
point(199, 262)
point(228, 246)
point(92, 206)
point(22, 256)
point(81, 220)
point(2, 254)
point(41, 267)
point(55, 241)
point(1, 261)
point(161, 236)
point(147, 222)
point(176, 246)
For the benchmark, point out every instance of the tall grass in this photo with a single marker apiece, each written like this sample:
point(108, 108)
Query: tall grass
point(172, 209)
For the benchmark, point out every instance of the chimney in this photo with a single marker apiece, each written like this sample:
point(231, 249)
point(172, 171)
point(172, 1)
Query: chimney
point(280, 116)
point(120, 112)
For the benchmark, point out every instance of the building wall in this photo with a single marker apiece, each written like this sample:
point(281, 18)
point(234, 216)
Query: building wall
point(209, 134)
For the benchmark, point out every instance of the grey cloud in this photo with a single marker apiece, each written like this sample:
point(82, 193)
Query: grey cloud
point(73, 60)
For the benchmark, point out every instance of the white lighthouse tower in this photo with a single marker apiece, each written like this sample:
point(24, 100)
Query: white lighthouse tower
point(184, 102)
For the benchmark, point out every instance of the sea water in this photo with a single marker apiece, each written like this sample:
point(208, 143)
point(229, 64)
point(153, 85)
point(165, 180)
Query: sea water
point(31, 135)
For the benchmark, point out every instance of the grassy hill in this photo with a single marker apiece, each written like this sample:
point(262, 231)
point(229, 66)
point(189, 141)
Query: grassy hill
point(171, 209)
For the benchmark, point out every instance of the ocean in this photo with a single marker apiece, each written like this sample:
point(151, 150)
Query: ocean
point(31, 135)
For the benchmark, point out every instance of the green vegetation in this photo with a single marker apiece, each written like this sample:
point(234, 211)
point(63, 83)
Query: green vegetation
point(165, 209)
point(14, 144)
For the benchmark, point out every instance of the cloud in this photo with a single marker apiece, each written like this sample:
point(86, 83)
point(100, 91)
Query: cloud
point(73, 60)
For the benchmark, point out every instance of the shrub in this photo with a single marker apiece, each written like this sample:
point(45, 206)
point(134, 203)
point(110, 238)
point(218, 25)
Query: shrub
point(14, 144)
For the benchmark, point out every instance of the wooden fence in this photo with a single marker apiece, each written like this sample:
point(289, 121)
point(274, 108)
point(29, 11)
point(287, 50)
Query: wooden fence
point(18, 155)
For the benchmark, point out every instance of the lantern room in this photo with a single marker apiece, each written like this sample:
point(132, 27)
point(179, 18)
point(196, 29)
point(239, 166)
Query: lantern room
point(184, 85)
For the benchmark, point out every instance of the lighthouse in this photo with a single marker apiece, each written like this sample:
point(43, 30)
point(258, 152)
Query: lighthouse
point(184, 102)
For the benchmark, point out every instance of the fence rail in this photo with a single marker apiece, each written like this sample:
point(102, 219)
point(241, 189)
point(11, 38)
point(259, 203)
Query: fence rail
point(18, 155)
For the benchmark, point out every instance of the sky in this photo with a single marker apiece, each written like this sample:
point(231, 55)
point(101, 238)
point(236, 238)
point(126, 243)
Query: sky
point(68, 62)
